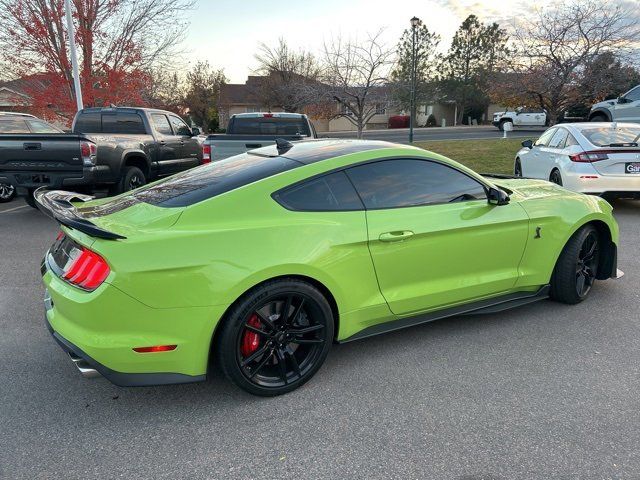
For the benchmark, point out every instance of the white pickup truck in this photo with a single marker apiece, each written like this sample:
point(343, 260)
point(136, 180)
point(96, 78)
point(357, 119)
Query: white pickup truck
point(520, 117)
point(247, 131)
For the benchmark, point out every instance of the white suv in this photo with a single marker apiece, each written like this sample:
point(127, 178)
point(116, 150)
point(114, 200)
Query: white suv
point(521, 117)
point(625, 108)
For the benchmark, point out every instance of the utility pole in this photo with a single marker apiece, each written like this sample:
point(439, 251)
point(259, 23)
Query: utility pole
point(74, 55)
point(415, 22)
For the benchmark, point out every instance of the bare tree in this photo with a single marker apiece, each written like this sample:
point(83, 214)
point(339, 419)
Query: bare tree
point(356, 76)
point(557, 46)
point(287, 75)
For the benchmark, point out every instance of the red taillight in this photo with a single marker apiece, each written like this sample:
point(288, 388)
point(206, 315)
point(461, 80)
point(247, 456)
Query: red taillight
point(206, 153)
point(588, 157)
point(88, 152)
point(155, 348)
point(87, 270)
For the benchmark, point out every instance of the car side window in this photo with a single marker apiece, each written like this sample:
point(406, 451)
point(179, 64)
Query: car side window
point(543, 141)
point(179, 127)
point(161, 124)
point(412, 182)
point(333, 192)
point(571, 141)
point(558, 139)
point(38, 126)
point(124, 123)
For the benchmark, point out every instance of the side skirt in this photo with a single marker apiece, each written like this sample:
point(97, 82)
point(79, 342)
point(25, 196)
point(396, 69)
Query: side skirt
point(490, 305)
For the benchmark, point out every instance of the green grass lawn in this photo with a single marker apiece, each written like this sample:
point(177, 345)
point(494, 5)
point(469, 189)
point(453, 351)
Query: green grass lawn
point(483, 156)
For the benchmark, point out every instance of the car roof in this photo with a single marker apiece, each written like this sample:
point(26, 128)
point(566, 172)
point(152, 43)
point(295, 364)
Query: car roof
point(123, 109)
point(312, 151)
point(17, 114)
point(579, 126)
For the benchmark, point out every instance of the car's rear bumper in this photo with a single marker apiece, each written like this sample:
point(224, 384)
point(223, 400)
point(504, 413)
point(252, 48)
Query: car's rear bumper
point(34, 179)
point(100, 330)
point(594, 183)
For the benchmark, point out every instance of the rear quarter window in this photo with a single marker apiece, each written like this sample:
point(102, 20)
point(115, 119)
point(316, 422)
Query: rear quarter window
point(333, 192)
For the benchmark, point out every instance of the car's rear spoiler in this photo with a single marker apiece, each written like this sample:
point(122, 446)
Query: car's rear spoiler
point(57, 205)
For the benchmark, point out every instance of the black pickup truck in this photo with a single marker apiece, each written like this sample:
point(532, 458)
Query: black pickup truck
point(118, 147)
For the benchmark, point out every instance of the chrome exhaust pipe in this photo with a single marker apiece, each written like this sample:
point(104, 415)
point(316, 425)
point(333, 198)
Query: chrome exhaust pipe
point(83, 367)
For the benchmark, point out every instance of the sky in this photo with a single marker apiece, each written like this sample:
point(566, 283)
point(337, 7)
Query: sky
point(227, 33)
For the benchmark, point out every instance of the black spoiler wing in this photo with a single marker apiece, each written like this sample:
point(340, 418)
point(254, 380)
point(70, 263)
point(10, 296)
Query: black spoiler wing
point(57, 205)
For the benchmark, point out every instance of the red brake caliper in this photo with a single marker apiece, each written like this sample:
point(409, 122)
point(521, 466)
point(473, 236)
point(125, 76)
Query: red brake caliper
point(250, 340)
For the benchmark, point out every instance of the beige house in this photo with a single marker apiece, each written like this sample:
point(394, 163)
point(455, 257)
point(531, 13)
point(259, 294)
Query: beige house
point(245, 98)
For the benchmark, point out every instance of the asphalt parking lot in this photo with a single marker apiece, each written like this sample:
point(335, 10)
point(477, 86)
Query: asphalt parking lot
point(543, 391)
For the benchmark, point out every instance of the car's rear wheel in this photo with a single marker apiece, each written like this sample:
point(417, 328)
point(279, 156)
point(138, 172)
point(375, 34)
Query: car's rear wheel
point(598, 118)
point(517, 168)
point(132, 178)
point(276, 337)
point(577, 268)
point(556, 177)
point(7, 192)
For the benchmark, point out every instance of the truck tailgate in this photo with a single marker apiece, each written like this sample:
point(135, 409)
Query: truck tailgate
point(30, 158)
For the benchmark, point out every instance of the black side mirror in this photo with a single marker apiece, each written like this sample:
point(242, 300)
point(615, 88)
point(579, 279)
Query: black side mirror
point(195, 131)
point(497, 196)
point(622, 99)
point(528, 144)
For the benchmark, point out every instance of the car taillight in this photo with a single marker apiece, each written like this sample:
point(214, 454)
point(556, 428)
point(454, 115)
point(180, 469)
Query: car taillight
point(206, 153)
point(86, 269)
point(588, 157)
point(88, 151)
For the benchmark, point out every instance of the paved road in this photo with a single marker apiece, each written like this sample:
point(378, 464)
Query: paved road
point(448, 133)
point(544, 391)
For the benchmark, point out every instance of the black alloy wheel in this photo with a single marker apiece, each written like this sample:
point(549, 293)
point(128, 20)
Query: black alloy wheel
point(7, 192)
point(555, 177)
point(277, 338)
point(587, 264)
point(517, 169)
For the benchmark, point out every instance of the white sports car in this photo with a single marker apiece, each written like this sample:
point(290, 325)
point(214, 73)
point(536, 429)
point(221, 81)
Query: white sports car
point(597, 158)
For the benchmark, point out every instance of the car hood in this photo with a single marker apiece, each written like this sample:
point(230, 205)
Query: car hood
point(604, 104)
point(527, 188)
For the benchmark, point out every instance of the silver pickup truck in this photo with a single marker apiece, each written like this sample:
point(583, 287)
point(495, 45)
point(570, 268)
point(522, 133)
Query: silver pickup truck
point(247, 131)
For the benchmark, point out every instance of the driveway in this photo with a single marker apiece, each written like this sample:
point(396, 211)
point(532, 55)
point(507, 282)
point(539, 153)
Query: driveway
point(544, 391)
point(401, 135)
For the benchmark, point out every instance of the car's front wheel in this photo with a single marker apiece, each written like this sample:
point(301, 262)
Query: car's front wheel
point(577, 268)
point(276, 337)
point(517, 168)
point(598, 118)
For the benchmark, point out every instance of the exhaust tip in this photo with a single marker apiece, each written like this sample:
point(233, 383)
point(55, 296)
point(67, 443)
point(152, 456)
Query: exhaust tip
point(83, 367)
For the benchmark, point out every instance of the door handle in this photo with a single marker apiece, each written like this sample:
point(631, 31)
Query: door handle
point(396, 236)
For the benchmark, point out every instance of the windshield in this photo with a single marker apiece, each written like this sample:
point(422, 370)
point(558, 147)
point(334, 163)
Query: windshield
point(212, 179)
point(612, 137)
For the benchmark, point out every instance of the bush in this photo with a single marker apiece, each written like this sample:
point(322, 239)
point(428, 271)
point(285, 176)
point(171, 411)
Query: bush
point(431, 121)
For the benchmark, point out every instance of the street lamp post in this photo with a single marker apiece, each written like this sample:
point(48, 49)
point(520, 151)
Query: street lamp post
point(73, 54)
point(415, 23)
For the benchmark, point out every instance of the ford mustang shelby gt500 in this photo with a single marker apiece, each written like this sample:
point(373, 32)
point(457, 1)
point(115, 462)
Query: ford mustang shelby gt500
point(261, 261)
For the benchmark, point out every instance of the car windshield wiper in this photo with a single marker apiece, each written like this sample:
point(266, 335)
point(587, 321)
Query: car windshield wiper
point(625, 144)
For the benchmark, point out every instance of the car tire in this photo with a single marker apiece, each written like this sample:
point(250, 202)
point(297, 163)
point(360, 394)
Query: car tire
point(598, 118)
point(577, 267)
point(555, 177)
point(265, 355)
point(132, 178)
point(30, 199)
point(517, 168)
point(7, 192)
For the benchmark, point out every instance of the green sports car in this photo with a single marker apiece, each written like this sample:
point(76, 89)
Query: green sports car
point(261, 261)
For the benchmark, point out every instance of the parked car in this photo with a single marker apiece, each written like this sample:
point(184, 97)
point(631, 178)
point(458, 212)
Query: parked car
point(117, 147)
point(626, 108)
point(520, 117)
point(248, 131)
point(596, 158)
point(36, 153)
point(264, 259)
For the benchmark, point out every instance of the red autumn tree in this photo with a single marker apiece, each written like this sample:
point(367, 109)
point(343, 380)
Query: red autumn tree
point(118, 42)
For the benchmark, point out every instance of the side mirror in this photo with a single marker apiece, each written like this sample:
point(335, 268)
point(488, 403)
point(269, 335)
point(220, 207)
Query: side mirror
point(195, 131)
point(528, 144)
point(497, 197)
point(622, 99)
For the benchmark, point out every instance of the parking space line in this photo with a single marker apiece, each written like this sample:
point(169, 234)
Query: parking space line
point(13, 209)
